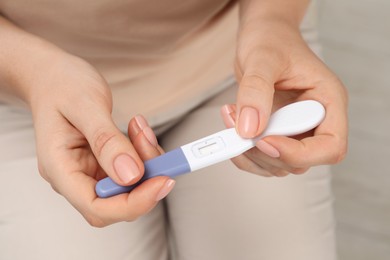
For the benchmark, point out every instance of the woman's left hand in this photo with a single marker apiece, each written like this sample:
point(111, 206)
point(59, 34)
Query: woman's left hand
point(274, 67)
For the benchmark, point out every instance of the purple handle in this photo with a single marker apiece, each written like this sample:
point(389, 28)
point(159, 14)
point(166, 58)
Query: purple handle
point(170, 164)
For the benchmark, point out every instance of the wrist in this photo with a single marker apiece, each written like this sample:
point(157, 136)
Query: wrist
point(272, 12)
point(24, 59)
point(32, 67)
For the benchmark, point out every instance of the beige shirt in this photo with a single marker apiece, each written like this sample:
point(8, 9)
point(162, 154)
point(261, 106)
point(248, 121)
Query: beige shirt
point(160, 57)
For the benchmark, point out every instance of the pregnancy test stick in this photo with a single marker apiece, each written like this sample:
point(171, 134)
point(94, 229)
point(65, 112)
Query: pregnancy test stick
point(293, 119)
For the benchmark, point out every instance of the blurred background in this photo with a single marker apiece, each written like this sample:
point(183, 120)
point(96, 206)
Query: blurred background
point(356, 42)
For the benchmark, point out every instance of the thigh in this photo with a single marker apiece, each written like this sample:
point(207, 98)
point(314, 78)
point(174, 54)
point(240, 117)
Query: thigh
point(37, 223)
point(223, 213)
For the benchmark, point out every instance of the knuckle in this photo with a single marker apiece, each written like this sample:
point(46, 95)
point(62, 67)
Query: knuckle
point(237, 71)
point(280, 173)
point(55, 188)
point(298, 171)
point(246, 167)
point(339, 151)
point(261, 172)
point(133, 218)
point(296, 163)
point(42, 172)
point(253, 81)
point(240, 166)
point(340, 154)
point(94, 221)
point(253, 168)
point(237, 162)
point(141, 210)
point(100, 140)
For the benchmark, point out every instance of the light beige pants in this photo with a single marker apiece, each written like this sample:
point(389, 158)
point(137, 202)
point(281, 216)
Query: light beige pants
point(216, 213)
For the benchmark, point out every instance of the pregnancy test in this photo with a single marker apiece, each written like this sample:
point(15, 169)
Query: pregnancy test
point(293, 119)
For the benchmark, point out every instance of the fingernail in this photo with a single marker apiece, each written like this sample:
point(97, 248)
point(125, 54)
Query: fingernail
point(145, 128)
point(227, 110)
point(267, 149)
point(248, 122)
point(149, 134)
point(126, 168)
point(141, 122)
point(165, 189)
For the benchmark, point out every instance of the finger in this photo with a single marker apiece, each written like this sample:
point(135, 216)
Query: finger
point(245, 164)
point(228, 113)
point(110, 146)
point(327, 146)
point(255, 94)
point(143, 138)
point(247, 161)
point(311, 151)
point(79, 191)
point(78, 188)
point(128, 207)
point(237, 71)
point(273, 165)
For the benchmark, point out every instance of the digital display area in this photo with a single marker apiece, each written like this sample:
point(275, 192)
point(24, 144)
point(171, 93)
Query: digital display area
point(208, 147)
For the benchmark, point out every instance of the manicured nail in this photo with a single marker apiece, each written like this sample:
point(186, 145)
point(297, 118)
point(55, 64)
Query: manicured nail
point(227, 110)
point(141, 122)
point(165, 189)
point(248, 122)
point(126, 168)
point(149, 134)
point(267, 149)
point(145, 128)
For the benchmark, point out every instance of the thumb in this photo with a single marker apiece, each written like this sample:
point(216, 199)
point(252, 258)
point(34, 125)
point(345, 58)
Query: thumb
point(111, 148)
point(255, 95)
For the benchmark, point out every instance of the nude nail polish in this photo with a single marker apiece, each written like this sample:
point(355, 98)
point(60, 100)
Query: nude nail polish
point(267, 149)
point(227, 111)
point(145, 128)
point(126, 168)
point(165, 189)
point(141, 122)
point(149, 134)
point(248, 122)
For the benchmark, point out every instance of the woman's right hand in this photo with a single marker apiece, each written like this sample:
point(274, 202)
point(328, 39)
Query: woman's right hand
point(79, 144)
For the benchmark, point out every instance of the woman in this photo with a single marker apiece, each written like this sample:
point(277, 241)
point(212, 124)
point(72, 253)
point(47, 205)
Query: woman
point(83, 69)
